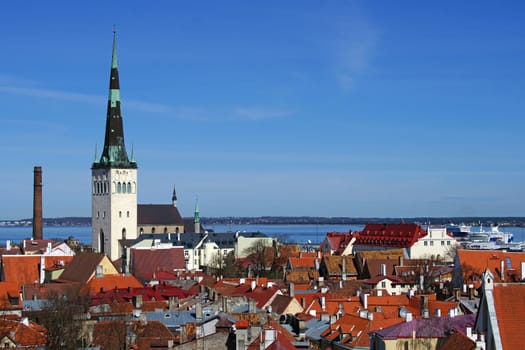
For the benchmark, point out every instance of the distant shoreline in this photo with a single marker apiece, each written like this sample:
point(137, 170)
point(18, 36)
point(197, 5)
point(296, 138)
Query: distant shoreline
point(296, 220)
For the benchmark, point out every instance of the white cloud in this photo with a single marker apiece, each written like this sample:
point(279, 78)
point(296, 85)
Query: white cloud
point(354, 47)
point(261, 113)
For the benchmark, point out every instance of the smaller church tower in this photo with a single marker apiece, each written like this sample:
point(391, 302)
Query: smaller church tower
point(174, 198)
point(196, 218)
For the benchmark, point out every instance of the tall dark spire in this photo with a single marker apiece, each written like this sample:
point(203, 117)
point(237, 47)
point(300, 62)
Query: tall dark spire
point(114, 153)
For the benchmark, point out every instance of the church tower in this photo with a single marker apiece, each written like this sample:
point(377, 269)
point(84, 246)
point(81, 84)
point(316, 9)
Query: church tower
point(196, 218)
point(113, 180)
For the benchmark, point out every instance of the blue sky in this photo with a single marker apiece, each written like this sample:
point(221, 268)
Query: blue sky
point(344, 108)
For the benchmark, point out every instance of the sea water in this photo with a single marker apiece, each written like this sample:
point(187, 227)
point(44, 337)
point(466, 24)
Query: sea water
point(301, 234)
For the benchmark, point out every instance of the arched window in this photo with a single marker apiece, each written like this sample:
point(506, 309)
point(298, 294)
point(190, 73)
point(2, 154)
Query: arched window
point(153, 230)
point(101, 241)
point(129, 187)
point(105, 187)
point(119, 187)
point(141, 230)
point(165, 230)
point(127, 213)
point(119, 214)
point(123, 233)
point(176, 230)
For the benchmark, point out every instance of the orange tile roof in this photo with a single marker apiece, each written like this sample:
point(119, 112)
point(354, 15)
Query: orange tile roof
point(24, 335)
point(108, 282)
point(509, 302)
point(24, 269)
point(358, 328)
point(8, 291)
point(302, 263)
point(475, 262)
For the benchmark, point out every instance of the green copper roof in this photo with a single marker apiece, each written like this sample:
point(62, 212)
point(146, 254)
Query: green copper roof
point(114, 62)
point(114, 154)
point(196, 217)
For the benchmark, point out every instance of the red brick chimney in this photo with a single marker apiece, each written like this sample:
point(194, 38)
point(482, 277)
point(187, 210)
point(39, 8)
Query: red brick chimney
point(37, 204)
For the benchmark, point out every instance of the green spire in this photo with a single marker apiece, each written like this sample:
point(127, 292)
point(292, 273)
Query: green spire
point(114, 89)
point(132, 153)
point(114, 153)
point(96, 154)
point(196, 217)
point(114, 62)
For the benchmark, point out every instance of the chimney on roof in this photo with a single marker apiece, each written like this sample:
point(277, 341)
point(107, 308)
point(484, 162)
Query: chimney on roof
point(303, 302)
point(423, 305)
point(37, 203)
point(323, 303)
point(253, 285)
point(49, 248)
point(270, 336)
point(183, 335)
point(383, 269)
point(292, 290)
point(502, 270)
point(137, 301)
point(457, 294)
point(364, 300)
point(198, 311)
point(42, 267)
point(8, 245)
point(252, 306)
point(401, 260)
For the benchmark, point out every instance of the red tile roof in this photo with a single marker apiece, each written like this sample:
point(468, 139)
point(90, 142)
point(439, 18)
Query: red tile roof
point(125, 295)
point(509, 302)
point(390, 235)
point(144, 262)
point(336, 242)
point(458, 340)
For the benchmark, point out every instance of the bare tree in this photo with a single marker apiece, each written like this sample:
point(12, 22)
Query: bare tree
point(62, 317)
point(262, 257)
